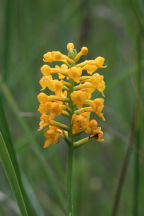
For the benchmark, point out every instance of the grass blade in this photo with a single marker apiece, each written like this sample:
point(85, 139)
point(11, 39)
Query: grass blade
point(124, 170)
point(13, 178)
point(6, 136)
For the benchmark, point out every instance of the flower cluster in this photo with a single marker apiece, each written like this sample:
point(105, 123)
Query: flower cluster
point(71, 95)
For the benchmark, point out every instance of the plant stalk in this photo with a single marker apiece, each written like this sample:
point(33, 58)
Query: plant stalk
point(70, 155)
point(123, 171)
point(69, 179)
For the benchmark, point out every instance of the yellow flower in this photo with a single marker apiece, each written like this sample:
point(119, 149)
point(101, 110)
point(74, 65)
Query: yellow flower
point(54, 85)
point(88, 89)
point(92, 65)
point(90, 68)
point(99, 61)
point(55, 107)
point(45, 119)
point(42, 97)
point(97, 106)
point(98, 134)
point(80, 122)
point(47, 57)
point(44, 108)
point(62, 70)
point(53, 56)
point(84, 51)
point(44, 81)
point(76, 124)
point(57, 87)
point(56, 56)
point(97, 81)
point(52, 134)
point(71, 95)
point(91, 126)
point(79, 97)
point(46, 70)
point(75, 73)
point(92, 83)
point(70, 46)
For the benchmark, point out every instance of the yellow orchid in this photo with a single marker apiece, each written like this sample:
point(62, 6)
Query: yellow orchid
point(72, 93)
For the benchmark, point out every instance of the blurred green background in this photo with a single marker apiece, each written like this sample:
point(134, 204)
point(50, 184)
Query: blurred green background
point(29, 28)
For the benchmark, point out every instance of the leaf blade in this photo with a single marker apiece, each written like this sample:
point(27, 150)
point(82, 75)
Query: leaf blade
point(13, 178)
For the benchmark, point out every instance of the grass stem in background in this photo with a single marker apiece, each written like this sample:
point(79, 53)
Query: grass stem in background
point(136, 201)
point(7, 38)
point(123, 171)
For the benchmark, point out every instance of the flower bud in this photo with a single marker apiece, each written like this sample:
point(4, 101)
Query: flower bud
point(70, 46)
point(84, 50)
point(72, 53)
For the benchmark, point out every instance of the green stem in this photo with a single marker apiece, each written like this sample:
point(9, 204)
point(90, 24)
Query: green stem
point(70, 156)
point(123, 171)
point(69, 180)
point(81, 142)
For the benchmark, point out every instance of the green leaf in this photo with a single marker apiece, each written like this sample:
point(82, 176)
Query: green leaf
point(13, 178)
point(9, 145)
point(6, 135)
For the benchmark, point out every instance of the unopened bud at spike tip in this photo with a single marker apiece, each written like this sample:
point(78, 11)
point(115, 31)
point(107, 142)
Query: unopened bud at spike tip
point(70, 46)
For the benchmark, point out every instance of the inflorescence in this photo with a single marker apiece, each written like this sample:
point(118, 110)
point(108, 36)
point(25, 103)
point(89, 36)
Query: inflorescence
point(71, 97)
